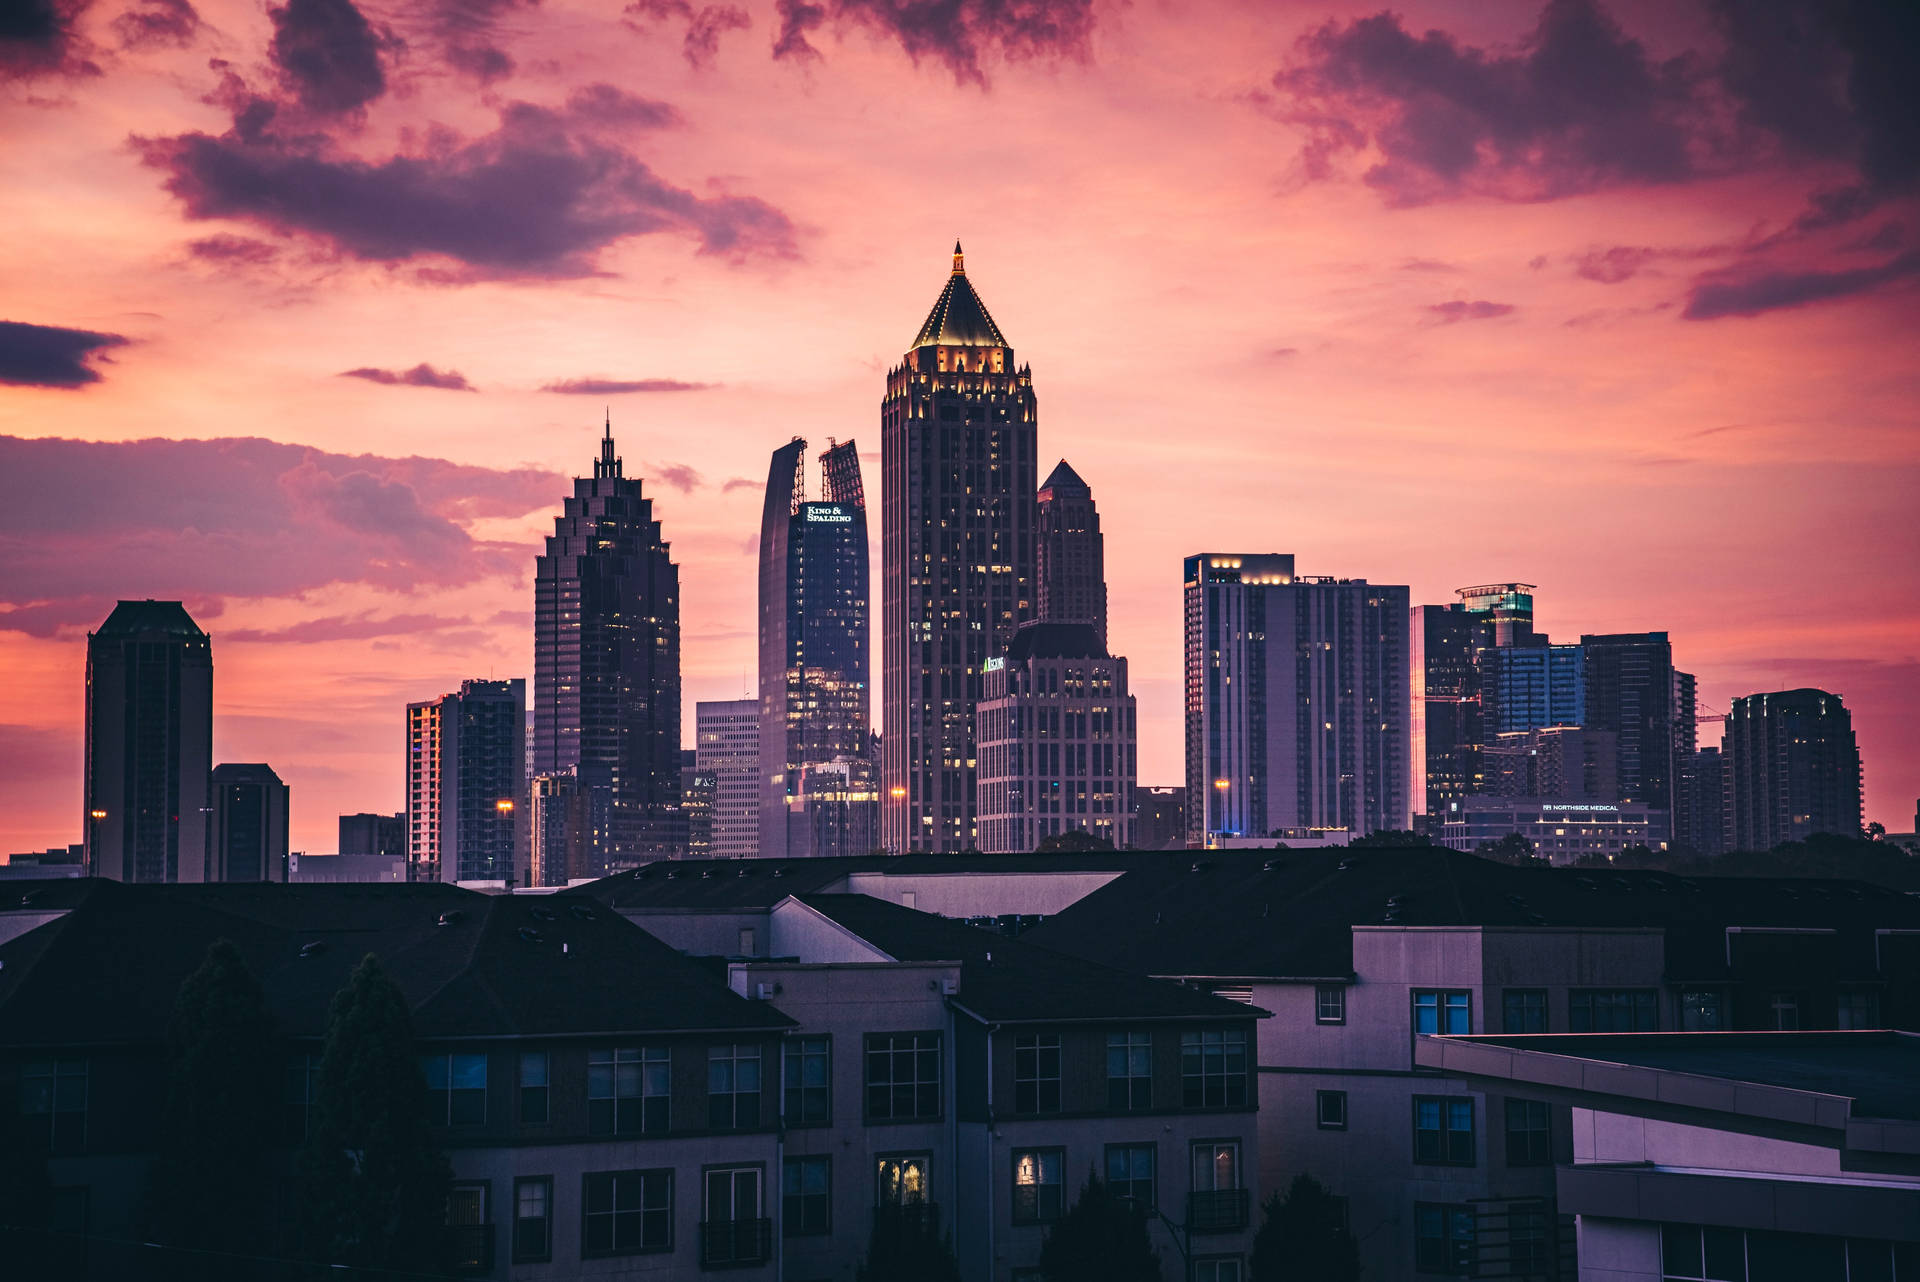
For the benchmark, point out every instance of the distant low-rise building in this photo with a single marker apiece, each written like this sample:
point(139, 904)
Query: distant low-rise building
point(1561, 830)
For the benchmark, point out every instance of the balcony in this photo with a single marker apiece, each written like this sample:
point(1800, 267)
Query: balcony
point(733, 1244)
point(1217, 1211)
point(469, 1248)
point(914, 1217)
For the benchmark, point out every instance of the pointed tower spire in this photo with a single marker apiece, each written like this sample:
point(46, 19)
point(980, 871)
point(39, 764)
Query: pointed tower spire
point(959, 260)
point(607, 465)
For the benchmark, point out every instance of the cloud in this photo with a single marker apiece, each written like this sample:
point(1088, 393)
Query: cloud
point(617, 387)
point(464, 29)
point(679, 476)
point(50, 356)
point(421, 375)
point(733, 483)
point(41, 38)
point(705, 24)
point(1736, 294)
point(328, 54)
point(347, 627)
point(1479, 309)
point(605, 104)
point(958, 34)
point(153, 23)
point(233, 249)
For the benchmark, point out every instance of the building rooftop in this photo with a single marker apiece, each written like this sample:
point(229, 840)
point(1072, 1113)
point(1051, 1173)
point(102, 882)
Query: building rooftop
point(959, 318)
point(1063, 477)
point(1055, 641)
point(136, 618)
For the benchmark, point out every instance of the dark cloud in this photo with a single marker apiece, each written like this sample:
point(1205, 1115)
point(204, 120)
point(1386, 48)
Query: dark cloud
point(1751, 293)
point(733, 483)
point(421, 375)
point(958, 34)
point(210, 519)
point(50, 356)
point(41, 38)
point(464, 29)
point(619, 387)
point(233, 249)
point(483, 62)
point(680, 476)
point(328, 54)
point(604, 104)
point(1612, 266)
point(363, 626)
point(705, 24)
point(1479, 309)
point(152, 23)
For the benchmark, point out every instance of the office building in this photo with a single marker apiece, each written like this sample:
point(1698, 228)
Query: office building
point(834, 809)
point(1527, 687)
point(560, 827)
point(1071, 565)
point(1793, 768)
point(1561, 830)
point(1159, 818)
point(1630, 691)
point(464, 757)
point(1057, 741)
point(1445, 756)
point(369, 834)
point(959, 450)
point(1505, 610)
point(696, 804)
point(606, 653)
point(247, 824)
point(149, 749)
point(1567, 763)
point(727, 739)
point(1297, 699)
point(814, 700)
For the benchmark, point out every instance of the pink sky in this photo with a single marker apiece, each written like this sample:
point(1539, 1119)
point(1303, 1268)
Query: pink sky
point(1618, 301)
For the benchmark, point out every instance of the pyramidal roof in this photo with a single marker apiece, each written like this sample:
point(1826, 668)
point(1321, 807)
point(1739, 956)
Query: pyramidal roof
point(131, 618)
point(1064, 477)
point(959, 318)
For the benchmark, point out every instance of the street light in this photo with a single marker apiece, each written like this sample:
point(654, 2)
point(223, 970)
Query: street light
point(1220, 786)
point(504, 806)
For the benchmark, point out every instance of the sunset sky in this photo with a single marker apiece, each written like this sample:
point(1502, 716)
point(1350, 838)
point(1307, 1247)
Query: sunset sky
point(311, 310)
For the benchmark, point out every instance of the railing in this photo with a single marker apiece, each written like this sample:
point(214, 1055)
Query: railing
point(1217, 1211)
point(470, 1248)
point(728, 1244)
point(914, 1217)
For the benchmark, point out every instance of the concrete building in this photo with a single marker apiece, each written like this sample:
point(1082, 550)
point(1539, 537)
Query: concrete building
point(1159, 818)
point(465, 753)
point(835, 809)
point(959, 448)
point(1057, 739)
point(1793, 768)
point(371, 834)
point(309, 870)
point(696, 804)
point(1562, 829)
point(247, 824)
point(1630, 692)
point(1072, 559)
point(727, 738)
point(1570, 763)
point(1701, 817)
point(560, 826)
point(149, 749)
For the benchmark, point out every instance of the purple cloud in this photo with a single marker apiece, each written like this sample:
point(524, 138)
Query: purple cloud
point(619, 387)
point(152, 23)
point(678, 475)
point(233, 249)
point(421, 375)
point(705, 24)
point(1750, 294)
point(607, 105)
point(51, 356)
point(363, 626)
point(1479, 309)
point(41, 38)
point(328, 54)
point(958, 34)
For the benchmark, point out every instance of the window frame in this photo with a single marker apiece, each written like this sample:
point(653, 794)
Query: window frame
point(1325, 1014)
point(1212, 1149)
point(1152, 1181)
point(1035, 1091)
point(1321, 1098)
point(795, 1164)
point(544, 1087)
point(886, 1045)
point(794, 1054)
point(1849, 1002)
point(1137, 1087)
point(729, 1116)
point(1637, 1001)
point(1036, 1213)
point(641, 1058)
point(1194, 1049)
point(515, 1246)
point(1443, 1152)
point(1529, 1002)
point(1218, 1268)
point(1458, 1252)
point(644, 1177)
point(1536, 1148)
point(900, 1158)
point(445, 1114)
point(1443, 1006)
point(60, 1070)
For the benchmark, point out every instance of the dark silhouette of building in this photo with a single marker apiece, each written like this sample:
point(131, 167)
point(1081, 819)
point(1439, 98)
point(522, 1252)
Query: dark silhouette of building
point(606, 654)
point(1446, 704)
point(149, 744)
point(814, 693)
point(1071, 557)
point(1630, 691)
point(1564, 763)
point(247, 832)
point(1700, 815)
point(1159, 818)
point(1793, 768)
point(697, 787)
point(959, 441)
point(371, 834)
point(560, 825)
point(465, 755)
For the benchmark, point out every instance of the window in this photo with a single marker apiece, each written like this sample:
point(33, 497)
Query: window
point(1213, 1069)
point(1700, 1011)
point(1523, 1010)
point(732, 1229)
point(534, 1068)
point(456, 1088)
point(1443, 1239)
point(469, 1234)
point(1330, 1110)
point(1529, 1133)
point(903, 1076)
point(806, 1203)
point(53, 1100)
point(1130, 1172)
point(1329, 1005)
point(1218, 1268)
point(1613, 1010)
point(809, 1081)
point(1694, 1253)
point(902, 1180)
point(303, 1076)
point(1129, 1071)
point(533, 1218)
point(1036, 1073)
point(1784, 1010)
point(1442, 1011)
point(1038, 1194)
point(1443, 1130)
point(1690, 1253)
point(627, 1090)
point(626, 1212)
point(1216, 1166)
point(733, 1086)
point(1857, 1010)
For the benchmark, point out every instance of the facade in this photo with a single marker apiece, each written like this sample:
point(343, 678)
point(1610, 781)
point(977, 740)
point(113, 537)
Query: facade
point(1630, 691)
point(1057, 738)
point(696, 804)
point(149, 744)
point(560, 824)
point(1297, 700)
point(814, 640)
point(835, 809)
point(338, 869)
point(1445, 756)
point(1504, 609)
point(1793, 768)
point(1700, 803)
point(1561, 829)
point(606, 619)
point(727, 733)
point(959, 444)
point(1071, 562)
point(1529, 687)
point(1570, 763)
point(370, 834)
point(1159, 818)
point(247, 824)
point(465, 753)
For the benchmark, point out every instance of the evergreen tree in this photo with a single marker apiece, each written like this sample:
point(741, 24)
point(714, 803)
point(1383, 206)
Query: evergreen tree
point(1301, 1238)
point(902, 1248)
point(374, 1188)
point(209, 1186)
point(1101, 1238)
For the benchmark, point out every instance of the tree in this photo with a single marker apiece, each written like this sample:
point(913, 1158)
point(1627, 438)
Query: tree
point(1073, 841)
point(1874, 831)
point(1302, 1239)
point(1101, 1238)
point(1514, 848)
point(26, 1199)
point(904, 1248)
point(374, 1188)
point(1391, 837)
point(209, 1187)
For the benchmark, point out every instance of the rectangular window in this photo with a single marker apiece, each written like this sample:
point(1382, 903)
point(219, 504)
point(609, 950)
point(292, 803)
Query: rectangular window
point(1692, 1254)
point(627, 1089)
point(626, 1212)
point(1523, 1010)
point(1038, 1190)
point(534, 1070)
point(1783, 1010)
point(53, 1102)
point(1700, 1011)
point(1213, 1069)
point(903, 1180)
point(1437, 1010)
point(1130, 1174)
point(469, 1231)
point(1221, 1268)
point(1613, 1010)
point(806, 1202)
point(303, 1075)
point(1330, 1109)
point(809, 1081)
point(1036, 1073)
point(456, 1088)
point(903, 1076)
point(1443, 1130)
point(1857, 1010)
point(1443, 1239)
point(733, 1231)
point(1216, 1166)
point(1129, 1071)
point(733, 1086)
point(1529, 1133)
point(1329, 1005)
point(533, 1218)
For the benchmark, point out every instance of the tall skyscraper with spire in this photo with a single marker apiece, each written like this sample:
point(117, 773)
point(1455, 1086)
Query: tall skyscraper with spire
point(606, 655)
point(1072, 565)
point(959, 445)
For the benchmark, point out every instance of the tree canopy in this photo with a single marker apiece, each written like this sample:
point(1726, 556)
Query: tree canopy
point(1302, 1237)
point(1101, 1238)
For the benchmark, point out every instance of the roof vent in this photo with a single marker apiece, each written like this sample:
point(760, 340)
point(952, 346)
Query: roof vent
point(673, 874)
point(779, 872)
point(580, 912)
point(1198, 866)
point(543, 914)
point(1346, 864)
point(1267, 865)
point(313, 949)
point(705, 873)
point(452, 917)
point(528, 935)
point(1158, 918)
point(743, 871)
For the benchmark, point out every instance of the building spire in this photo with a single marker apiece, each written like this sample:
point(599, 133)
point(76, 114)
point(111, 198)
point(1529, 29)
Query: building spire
point(959, 260)
point(608, 464)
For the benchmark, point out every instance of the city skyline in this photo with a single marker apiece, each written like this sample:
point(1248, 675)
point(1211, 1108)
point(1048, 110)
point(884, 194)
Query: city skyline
point(1740, 481)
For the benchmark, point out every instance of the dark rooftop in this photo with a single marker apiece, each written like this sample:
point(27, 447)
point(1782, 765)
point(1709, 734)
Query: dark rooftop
point(1063, 477)
point(1055, 641)
point(133, 618)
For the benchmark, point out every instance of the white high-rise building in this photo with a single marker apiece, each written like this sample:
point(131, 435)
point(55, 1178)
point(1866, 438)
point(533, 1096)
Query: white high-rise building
point(727, 746)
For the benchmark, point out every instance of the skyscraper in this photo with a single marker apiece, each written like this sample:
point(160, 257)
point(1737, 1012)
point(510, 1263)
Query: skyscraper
point(465, 754)
point(247, 832)
point(814, 695)
point(149, 744)
point(1530, 687)
point(1793, 768)
point(1630, 691)
point(606, 654)
point(1445, 641)
point(727, 739)
point(1070, 554)
point(959, 441)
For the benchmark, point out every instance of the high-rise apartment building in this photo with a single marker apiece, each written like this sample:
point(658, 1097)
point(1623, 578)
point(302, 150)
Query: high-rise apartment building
point(1700, 803)
point(727, 739)
point(696, 804)
point(1071, 564)
point(1445, 641)
point(959, 443)
point(559, 830)
point(1630, 691)
point(1297, 698)
point(149, 744)
point(1793, 768)
point(1563, 763)
point(835, 809)
point(465, 753)
point(814, 694)
point(1506, 610)
point(1530, 687)
point(606, 654)
point(1057, 741)
point(247, 824)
